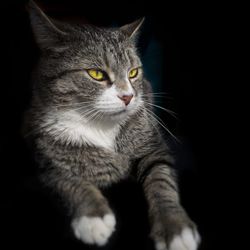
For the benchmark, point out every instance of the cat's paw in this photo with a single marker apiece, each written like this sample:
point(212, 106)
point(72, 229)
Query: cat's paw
point(188, 239)
point(94, 230)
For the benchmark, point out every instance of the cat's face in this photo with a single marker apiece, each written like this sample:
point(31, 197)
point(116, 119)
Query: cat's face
point(92, 71)
point(107, 76)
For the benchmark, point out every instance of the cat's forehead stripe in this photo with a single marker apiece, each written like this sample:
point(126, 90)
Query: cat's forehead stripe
point(131, 58)
point(116, 58)
point(110, 74)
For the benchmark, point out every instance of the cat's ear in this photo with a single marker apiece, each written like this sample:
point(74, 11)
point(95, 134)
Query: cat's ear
point(132, 29)
point(47, 35)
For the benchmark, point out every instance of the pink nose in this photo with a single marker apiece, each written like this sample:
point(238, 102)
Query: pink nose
point(126, 99)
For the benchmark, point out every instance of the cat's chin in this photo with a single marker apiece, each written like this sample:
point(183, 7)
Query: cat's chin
point(119, 116)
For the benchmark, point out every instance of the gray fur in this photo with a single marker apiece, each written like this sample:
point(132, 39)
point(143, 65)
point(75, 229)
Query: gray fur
point(79, 172)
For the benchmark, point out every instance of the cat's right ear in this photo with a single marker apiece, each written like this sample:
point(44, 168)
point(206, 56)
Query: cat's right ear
point(132, 29)
point(47, 35)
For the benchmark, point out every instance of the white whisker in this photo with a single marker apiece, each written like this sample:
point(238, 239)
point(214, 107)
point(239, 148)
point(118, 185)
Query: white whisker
point(160, 122)
point(87, 113)
point(73, 104)
point(160, 107)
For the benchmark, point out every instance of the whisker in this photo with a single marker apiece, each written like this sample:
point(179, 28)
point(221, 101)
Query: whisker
point(83, 114)
point(97, 117)
point(73, 104)
point(87, 113)
point(157, 96)
point(156, 116)
point(76, 109)
point(93, 115)
point(157, 93)
point(152, 122)
point(160, 122)
point(172, 113)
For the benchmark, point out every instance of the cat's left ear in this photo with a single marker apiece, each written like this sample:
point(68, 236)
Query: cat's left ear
point(48, 36)
point(132, 29)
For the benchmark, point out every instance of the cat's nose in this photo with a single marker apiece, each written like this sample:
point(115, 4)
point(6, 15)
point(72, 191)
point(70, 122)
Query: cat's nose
point(126, 99)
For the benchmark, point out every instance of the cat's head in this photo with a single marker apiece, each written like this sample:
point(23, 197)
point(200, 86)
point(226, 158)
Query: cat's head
point(93, 71)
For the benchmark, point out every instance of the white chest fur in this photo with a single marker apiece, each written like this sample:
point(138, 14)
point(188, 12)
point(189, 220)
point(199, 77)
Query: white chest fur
point(72, 128)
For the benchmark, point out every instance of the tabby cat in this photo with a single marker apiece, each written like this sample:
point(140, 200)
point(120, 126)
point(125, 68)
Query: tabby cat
point(92, 122)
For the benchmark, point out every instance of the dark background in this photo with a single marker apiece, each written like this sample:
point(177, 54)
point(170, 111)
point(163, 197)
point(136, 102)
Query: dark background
point(185, 49)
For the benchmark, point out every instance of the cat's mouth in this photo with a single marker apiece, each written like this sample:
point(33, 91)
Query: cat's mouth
point(116, 113)
point(120, 112)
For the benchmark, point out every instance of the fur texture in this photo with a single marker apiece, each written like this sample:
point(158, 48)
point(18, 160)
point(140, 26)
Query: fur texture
point(87, 138)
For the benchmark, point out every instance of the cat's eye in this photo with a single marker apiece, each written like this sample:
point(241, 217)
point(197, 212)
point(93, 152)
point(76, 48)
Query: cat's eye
point(133, 73)
point(97, 74)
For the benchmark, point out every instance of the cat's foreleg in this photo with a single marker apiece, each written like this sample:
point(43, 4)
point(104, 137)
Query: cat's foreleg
point(93, 222)
point(171, 227)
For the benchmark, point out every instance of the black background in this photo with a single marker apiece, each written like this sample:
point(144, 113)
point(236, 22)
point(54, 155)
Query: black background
point(196, 47)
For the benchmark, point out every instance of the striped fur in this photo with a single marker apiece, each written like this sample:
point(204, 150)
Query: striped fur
point(87, 139)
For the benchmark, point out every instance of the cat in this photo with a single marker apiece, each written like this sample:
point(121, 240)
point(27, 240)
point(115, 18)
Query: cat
point(93, 125)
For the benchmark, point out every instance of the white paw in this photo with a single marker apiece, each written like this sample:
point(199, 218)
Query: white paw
point(160, 245)
point(188, 240)
point(94, 230)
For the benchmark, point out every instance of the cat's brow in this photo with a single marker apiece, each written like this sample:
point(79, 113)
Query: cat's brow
point(65, 72)
point(133, 61)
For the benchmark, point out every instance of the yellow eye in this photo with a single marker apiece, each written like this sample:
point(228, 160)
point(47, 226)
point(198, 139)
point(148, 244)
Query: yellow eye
point(97, 74)
point(133, 73)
